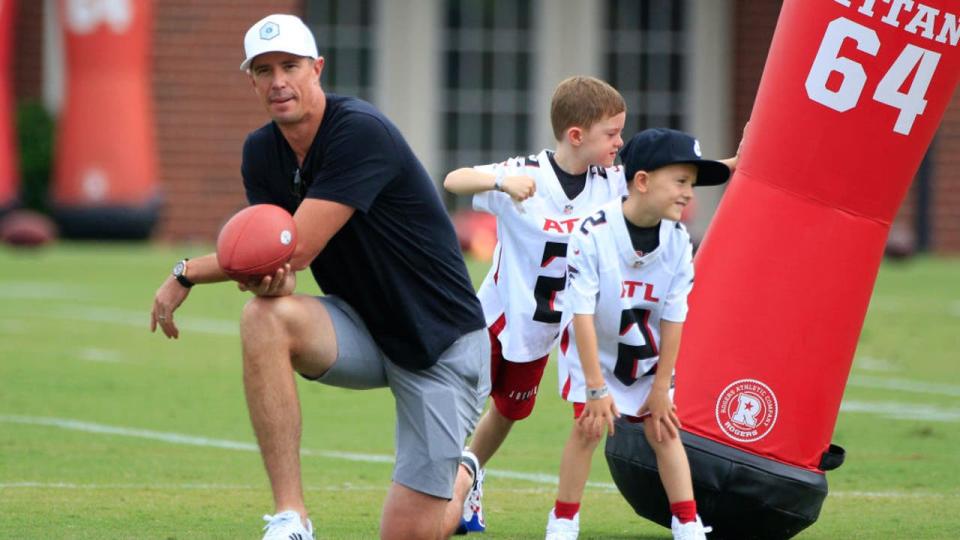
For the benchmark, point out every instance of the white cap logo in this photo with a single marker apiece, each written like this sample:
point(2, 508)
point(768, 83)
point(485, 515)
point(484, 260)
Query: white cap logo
point(285, 237)
point(696, 148)
point(269, 30)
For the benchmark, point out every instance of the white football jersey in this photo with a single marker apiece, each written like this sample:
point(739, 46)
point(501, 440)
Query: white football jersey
point(628, 296)
point(529, 271)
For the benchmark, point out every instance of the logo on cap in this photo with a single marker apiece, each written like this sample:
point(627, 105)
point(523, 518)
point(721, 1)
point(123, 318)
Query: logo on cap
point(269, 30)
point(696, 148)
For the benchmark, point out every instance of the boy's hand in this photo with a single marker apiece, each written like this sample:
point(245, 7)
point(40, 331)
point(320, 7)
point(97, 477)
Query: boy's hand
point(519, 188)
point(598, 414)
point(663, 413)
point(283, 283)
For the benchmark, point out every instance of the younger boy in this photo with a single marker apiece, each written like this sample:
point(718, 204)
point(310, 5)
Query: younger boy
point(630, 271)
point(539, 201)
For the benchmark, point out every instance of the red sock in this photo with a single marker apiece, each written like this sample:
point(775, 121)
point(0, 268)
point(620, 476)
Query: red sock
point(565, 510)
point(686, 511)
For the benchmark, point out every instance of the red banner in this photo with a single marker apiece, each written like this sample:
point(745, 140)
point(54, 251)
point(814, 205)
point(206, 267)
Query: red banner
point(9, 169)
point(851, 96)
point(106, 154)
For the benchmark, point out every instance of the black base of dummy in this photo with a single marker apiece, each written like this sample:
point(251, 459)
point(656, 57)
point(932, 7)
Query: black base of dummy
point(107, 222)
point(740, 495)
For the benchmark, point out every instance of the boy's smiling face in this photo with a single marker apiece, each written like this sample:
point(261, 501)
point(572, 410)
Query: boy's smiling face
point(666, 191)
point(600, 143)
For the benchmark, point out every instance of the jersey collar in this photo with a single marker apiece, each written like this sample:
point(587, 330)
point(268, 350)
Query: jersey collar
point(622, 238)
point(554, 190)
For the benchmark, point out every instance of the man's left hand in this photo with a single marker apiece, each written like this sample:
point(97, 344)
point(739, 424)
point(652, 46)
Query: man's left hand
point(283, 283)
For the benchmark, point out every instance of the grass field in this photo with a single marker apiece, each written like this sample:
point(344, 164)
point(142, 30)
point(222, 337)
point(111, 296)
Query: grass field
point(107, 431)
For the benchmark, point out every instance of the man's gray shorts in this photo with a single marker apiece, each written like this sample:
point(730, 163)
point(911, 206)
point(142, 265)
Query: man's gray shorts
point(437, 408)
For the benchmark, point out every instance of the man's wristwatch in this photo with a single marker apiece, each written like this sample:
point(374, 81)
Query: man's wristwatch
point(178, 272)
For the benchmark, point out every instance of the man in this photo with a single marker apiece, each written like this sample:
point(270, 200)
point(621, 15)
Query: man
point(399, 309)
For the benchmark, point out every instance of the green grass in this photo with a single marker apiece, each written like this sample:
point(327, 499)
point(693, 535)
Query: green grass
point(74, 345)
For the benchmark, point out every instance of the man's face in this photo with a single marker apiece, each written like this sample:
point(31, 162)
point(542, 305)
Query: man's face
point(602, 140)
point(287, 84)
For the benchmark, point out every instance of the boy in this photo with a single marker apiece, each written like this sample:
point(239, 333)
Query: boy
point(539, 201)
point(630, 271)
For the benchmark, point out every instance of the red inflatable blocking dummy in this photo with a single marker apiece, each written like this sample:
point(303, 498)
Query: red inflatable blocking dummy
point(9, 169)
point(850, 99)
point(851, 96)
point(105, 178)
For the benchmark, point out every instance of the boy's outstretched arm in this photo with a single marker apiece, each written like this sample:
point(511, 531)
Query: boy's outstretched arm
point(731, 162)
point(597, 412)
point(658, 404)
point(468, 180)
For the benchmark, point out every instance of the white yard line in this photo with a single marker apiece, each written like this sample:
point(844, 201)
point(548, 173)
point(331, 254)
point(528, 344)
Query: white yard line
point(905, 385)
point(901, 411)
point(220, 487)
point(880, 365)
point(105, 356)
point(141, 319)
point(42, 290)
point(180, 438)
point(898, 410)
point(892, 495)
point(378, 488)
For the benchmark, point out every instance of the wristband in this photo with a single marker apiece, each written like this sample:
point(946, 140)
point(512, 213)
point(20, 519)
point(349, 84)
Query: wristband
point(593, 394)
point(498, 179)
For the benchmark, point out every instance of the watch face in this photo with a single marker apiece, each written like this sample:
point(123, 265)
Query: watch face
point(179, 268)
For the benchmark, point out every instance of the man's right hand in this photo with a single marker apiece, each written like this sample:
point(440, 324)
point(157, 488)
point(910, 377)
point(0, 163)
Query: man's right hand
point(519, 188)
point(168, 298)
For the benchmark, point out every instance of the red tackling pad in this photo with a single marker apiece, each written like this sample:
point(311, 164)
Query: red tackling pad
point(848, 104)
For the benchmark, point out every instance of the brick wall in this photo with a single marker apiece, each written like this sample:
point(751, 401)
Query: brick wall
point(204, 108)
point(946, 180)
point(28, 51)
point(755, 21)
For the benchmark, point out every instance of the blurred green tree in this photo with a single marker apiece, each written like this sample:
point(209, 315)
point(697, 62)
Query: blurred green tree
point(35, 131)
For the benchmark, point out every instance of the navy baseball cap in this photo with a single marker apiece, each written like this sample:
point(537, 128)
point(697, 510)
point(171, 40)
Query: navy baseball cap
point(657, 147)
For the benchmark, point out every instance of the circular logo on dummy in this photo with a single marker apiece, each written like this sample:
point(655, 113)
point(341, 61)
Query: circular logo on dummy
point(747, 410)
point(285, 237)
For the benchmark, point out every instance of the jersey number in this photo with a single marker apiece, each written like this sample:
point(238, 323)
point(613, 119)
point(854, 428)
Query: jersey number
point(630, 356)
point(922, 63)
point(546, 289)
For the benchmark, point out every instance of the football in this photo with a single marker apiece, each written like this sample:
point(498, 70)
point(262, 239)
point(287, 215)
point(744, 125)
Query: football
point(256, 242)
point(26, 228)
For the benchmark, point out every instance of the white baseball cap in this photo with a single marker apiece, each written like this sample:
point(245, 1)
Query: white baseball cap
point(278, 33)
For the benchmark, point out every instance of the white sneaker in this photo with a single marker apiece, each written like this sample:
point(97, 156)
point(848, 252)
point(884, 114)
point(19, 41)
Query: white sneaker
point(562, 529)
point(287, 526)
point(693, 530)
point(472, 507)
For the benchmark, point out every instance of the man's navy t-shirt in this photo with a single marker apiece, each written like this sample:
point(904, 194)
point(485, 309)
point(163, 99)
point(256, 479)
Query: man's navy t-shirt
point(396, 260)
